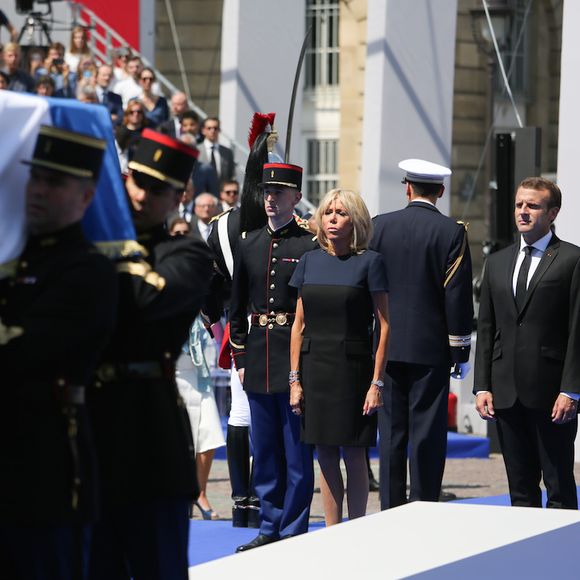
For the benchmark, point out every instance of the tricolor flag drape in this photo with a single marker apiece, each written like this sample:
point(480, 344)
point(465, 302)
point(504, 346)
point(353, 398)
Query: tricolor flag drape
point(108, 220)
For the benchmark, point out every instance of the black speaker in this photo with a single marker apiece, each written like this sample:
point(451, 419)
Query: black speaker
point(24, 6)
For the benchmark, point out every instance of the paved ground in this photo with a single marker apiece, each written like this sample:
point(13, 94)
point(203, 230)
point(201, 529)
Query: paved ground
point(466, 478)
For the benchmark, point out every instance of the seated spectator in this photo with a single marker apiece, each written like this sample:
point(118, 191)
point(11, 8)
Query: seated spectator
point(4, 80)
point(36, 57)
point(156, 109)
point(107, 97)
point(79, 47)
point(129, 133)
point(18, 80)
point(120, 57)
point(178, 106)
point(129, 88)
point(205, 208)
point(204, 177)
point(56, 67)
point(190, 123)
point(45, 86)
point(178, 227)
point(229, 195)
point(87, 93)
point(87, 70)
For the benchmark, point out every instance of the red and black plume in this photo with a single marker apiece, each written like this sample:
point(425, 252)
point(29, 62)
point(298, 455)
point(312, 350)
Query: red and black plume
point(259, 123)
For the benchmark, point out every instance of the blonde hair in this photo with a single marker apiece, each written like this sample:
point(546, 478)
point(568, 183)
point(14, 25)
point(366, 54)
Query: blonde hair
point(362, 226)
point(85, 46)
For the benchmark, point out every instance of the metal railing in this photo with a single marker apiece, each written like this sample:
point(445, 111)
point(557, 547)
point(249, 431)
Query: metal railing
point(103, 44)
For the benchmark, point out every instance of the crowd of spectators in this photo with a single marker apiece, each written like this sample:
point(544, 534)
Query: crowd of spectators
point(130, 92)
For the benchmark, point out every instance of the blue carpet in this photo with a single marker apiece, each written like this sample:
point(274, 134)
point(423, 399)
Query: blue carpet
point(212, 540)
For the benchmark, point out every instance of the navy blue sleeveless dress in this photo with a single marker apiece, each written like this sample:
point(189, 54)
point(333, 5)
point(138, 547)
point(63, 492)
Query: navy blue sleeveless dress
point(336, 357)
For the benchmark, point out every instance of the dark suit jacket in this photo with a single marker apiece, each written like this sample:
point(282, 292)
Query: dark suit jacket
point(532, 355)
point(168, 128)
point(429, 275)
point(228, 167)
point(114, 105)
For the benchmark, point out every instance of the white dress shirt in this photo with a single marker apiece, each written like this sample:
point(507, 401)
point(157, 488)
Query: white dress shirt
point(216, 154)
point(538, 249)
point(186, 211)
point(204, 229)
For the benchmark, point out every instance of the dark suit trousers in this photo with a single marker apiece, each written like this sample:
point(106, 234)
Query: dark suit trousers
point(413, 418)
point(533, 446)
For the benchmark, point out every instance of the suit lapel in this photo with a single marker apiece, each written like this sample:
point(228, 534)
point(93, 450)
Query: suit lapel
point(546, 261)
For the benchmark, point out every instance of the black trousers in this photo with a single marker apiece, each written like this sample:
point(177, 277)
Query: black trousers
point(413, 418)
point(533, 447)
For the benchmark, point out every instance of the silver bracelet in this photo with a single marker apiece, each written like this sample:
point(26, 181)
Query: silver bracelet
point(293, 376)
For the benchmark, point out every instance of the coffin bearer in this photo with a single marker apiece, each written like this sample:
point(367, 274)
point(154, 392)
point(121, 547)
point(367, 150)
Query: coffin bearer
point(430, 303)
point(56, 315)
point(266, 259)
point(146, 454)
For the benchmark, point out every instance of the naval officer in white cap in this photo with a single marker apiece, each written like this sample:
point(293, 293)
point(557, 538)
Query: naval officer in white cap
point(430, 303)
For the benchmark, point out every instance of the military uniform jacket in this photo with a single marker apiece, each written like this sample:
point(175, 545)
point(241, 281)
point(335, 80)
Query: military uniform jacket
point(264, 265)
point(532, 355)
point(56, 315)
point(430, 293)
point(143, 435)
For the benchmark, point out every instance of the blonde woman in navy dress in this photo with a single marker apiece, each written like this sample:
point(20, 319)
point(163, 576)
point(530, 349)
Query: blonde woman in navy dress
point(334, 383)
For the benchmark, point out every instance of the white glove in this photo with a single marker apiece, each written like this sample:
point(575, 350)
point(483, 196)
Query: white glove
point(460, 370)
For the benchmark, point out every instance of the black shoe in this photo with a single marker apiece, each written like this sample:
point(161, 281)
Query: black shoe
point(258, 541)
point(447, 496)
point(373, 484)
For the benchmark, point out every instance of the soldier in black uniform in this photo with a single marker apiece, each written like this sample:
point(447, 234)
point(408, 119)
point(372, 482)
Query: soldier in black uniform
point(144, 443)
point(224, 241)
point(431, 315)
point(56, 314)
point(283, 473)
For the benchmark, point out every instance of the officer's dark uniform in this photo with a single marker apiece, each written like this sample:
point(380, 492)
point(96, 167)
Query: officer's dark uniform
point(430, 309)
point(266, 260)
point(143, 437)
point(56, 315)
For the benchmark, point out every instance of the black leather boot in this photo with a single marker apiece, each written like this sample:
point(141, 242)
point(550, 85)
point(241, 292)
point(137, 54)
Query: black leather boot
point(238, 451)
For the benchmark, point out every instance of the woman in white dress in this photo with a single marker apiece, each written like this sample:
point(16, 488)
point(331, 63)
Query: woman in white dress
point(195, 386)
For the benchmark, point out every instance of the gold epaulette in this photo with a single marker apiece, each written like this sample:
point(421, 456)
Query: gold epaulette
point(8, 333)
point(455, 266)
point(121, 249)
point(143, 270)
point(8, 269)
point(215, 218)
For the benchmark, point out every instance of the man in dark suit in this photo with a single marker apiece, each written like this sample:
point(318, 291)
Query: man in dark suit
point(527, 365)
point(111, 100)
point(219, 157)
point(176, 125)
point(430, 304)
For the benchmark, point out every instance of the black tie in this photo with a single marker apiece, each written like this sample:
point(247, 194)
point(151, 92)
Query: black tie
point(522, 281)
point(212, 160)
